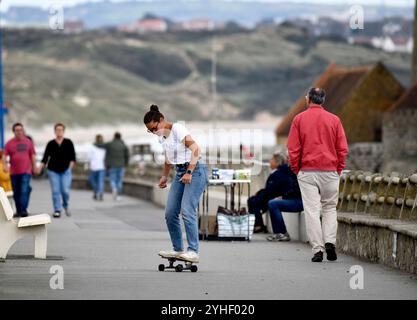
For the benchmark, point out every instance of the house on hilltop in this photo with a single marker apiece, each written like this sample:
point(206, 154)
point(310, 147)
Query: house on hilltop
point(145, 26)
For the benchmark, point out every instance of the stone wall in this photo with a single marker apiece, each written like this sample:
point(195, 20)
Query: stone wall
point(365, 156)
point(400, 141)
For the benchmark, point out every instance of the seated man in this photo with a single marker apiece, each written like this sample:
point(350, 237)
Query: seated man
point(275, 183)
point(289, 200)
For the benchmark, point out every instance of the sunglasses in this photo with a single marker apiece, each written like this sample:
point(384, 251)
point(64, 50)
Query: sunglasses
point(154, 129)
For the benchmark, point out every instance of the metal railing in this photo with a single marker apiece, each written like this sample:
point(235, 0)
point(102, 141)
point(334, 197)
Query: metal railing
point(392, 196)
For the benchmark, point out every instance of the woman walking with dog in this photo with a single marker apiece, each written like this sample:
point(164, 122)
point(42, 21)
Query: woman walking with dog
point(182, 152)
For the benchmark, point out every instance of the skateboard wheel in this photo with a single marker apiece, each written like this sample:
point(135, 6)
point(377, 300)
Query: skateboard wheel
point(179, 268)
point(193, 268)
point(161, 267)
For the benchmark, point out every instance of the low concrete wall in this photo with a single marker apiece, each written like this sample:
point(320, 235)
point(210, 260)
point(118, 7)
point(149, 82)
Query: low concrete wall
point(388, 241)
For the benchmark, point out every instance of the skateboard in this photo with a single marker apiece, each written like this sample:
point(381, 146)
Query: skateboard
point(179, 267)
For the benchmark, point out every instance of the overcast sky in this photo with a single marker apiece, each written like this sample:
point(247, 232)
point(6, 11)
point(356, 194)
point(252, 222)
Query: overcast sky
point(46, 3)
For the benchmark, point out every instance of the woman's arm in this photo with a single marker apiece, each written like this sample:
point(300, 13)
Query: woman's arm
point(165, 172)
point(6, 168)
point(73, 156)
point(195, 156)
point(44, 160)
point(195, 151)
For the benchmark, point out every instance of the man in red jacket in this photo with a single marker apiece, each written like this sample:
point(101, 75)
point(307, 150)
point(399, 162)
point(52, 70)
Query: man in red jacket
point(317, 150)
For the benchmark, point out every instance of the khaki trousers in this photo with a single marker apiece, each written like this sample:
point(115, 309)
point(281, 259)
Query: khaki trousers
point(320, 193)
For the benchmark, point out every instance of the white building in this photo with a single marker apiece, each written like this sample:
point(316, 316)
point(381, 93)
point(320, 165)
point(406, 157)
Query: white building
point(394, 44)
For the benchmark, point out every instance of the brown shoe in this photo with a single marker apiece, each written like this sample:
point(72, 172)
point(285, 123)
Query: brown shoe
point(260, 229)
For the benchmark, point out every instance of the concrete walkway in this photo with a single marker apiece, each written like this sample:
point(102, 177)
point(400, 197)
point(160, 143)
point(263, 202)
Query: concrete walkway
point(109, 251)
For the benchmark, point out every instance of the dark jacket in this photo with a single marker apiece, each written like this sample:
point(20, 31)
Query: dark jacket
point(281, 183)
point(117, 154)
point(58, 157)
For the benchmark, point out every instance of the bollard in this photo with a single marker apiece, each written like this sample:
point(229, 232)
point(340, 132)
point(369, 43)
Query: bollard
point(347, 191)
point(355, 190)
point(363, 201)
point(376, 194)
point(408, 209)
point(392, 193)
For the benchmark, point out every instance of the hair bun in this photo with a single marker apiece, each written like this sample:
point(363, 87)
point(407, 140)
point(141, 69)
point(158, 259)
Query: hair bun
point(154, 108)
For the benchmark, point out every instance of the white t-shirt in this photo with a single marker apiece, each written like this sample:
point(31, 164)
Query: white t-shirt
point(174, 147)
point(96, 157)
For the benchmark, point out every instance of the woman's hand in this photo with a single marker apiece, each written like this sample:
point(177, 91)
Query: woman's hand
point(163, 182)
point(186, 178)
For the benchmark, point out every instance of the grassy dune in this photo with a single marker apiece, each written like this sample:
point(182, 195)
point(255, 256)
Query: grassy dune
point(111, 78)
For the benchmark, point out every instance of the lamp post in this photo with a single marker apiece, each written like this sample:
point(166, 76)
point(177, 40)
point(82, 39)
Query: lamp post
point(1, 91)
point(414, 56)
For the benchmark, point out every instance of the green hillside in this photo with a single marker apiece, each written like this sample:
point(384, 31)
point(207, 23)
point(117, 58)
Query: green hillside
point(108, 77)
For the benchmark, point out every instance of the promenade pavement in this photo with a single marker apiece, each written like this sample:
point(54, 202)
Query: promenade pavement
point(109, 250)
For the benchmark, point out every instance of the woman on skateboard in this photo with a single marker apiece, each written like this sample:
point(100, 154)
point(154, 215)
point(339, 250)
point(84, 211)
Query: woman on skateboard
point(182, 152)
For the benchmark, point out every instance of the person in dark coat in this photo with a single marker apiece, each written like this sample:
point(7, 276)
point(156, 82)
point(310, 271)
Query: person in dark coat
point(276, 185)
point(117, 159)
point(289, 200)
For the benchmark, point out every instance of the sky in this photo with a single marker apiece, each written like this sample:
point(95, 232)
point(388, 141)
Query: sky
point(47, 3)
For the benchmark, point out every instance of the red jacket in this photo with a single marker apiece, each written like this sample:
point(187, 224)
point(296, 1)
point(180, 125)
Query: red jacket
point(317, 141)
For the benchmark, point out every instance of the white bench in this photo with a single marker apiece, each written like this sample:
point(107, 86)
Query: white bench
point(294, 222)
point(11, 229)
point(9, 195)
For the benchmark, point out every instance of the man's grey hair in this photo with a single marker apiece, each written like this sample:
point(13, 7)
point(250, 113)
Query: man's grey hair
point(280, 157)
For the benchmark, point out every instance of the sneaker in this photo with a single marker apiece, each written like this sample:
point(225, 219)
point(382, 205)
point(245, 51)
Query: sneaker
point(318, 257)
point(331, 251)
point(57, 214)
point(67, 212)
point(279, 237)
point(189, 256)
point(170, 253)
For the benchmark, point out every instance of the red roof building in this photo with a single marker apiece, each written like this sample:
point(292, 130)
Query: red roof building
point(358, 95)
point(145, 26)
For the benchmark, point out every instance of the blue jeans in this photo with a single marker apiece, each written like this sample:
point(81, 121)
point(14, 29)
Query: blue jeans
point(286, 205)
point(116, 179)
point(184, 198)
point(97, 181)
point(60, 186)
point(21, 192)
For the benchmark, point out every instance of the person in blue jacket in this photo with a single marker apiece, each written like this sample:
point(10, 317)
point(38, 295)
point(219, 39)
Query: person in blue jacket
point(281, 192)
